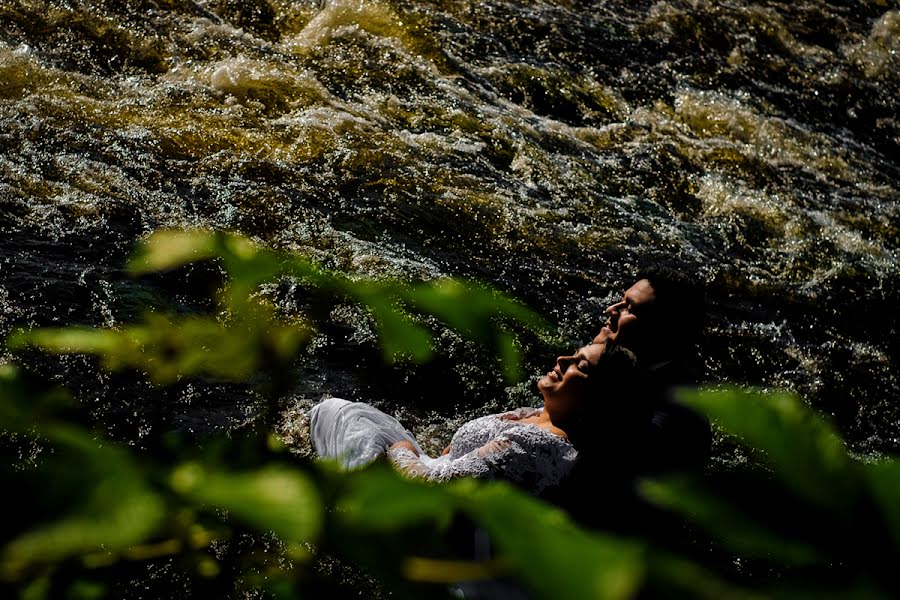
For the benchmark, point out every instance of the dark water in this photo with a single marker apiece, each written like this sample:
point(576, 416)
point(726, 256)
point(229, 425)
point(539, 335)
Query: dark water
point(547, 147)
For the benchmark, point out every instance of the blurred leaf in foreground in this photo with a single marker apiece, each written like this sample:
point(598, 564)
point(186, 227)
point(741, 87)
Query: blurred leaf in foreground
point(547, 551)
point(109, 508)
point(21, 407)
point(272, 498)
point(741, 532)
point(535, 541)
point(171, 249)
point(380, 499)
point(169, 347)
point(845, 515)
point(807, 453)
point(883, 480)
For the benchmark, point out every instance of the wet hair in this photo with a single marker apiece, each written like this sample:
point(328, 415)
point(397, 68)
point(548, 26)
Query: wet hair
point(678, 311)
point(619, 405)
point(609, 434)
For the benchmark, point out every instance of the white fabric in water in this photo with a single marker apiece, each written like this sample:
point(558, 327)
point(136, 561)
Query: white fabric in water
point(353, 432)
point(491, 447)
point(498, 447)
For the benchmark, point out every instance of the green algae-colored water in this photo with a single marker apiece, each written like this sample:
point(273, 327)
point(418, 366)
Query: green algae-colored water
point(546, 147)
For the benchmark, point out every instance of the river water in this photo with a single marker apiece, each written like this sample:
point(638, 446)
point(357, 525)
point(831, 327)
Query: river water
point(549, 148)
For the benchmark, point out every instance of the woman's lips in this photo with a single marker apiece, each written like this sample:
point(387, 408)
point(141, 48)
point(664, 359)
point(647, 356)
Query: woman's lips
point(553, 375)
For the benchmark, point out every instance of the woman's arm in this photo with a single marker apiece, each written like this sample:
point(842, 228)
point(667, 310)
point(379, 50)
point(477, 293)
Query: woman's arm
point(521, 455)
point(477, 463)
point(405, 444)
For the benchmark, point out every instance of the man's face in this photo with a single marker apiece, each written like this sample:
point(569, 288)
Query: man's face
point(623, 319)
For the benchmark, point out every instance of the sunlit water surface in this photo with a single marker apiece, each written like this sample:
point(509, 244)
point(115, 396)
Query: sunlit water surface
point(547, 147)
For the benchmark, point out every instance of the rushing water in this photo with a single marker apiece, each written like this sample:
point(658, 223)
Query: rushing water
point(546, 147)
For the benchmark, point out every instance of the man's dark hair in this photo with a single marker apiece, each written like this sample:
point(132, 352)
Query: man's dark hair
point(678, 310)
point(676, 437)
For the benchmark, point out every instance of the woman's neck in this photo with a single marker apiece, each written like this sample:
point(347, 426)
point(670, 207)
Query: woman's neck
point(555, 425)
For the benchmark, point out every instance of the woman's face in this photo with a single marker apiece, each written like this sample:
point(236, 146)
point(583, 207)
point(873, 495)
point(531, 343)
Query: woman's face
point(565, 388)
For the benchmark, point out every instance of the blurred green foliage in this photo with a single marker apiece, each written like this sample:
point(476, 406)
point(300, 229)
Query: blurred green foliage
point(828, 520)
point(82, 511)
point(246, 336)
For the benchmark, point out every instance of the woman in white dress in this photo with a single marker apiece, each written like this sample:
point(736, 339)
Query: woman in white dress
point(588, 398)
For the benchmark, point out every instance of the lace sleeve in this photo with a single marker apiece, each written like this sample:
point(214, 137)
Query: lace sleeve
point(443, 468)
point(533, 458)
point(524, 455)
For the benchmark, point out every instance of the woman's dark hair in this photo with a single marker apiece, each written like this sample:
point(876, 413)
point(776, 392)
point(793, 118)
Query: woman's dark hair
point(619, 405)
point(608, 436)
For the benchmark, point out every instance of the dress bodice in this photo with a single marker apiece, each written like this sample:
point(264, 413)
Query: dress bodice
point(497, 447)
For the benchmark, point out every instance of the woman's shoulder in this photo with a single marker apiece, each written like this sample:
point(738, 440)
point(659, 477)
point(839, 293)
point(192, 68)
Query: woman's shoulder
point(508, 417)
point(523, 412)
point(534, 457)
point(530, 434)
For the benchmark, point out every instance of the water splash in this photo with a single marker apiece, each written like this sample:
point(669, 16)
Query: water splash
point(547, 148)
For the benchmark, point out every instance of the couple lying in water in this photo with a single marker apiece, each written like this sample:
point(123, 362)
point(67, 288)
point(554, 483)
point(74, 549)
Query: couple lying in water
point(608, 396)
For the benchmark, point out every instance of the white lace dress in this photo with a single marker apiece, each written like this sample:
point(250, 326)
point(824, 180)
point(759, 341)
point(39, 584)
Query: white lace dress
point(491, 447)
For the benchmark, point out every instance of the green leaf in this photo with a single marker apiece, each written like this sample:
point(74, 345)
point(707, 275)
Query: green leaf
point(572, 562)
point(462, 308)
point(510, 356)
point(273, 498)
point(248, 264)
point(116, 518)
point(39, 589)
point(452, 571)
point(196, 345)
point(399, 335)
point(83, 589)
point(675, 577)
point(478, 312)
point(378, 498)
point(169, 249)
point(22, 406)
point(883, 481)
point(734, 527)
point(170, 347)
point(113, 510)
point(806, 453)
point(69, 340)
point(548, 552)
point(470, 308)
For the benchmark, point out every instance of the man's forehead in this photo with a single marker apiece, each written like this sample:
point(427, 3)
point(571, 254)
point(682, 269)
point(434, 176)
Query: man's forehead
point(640, 292)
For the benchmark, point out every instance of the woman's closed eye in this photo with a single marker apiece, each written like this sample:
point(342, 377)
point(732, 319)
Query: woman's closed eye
point(580, 364)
